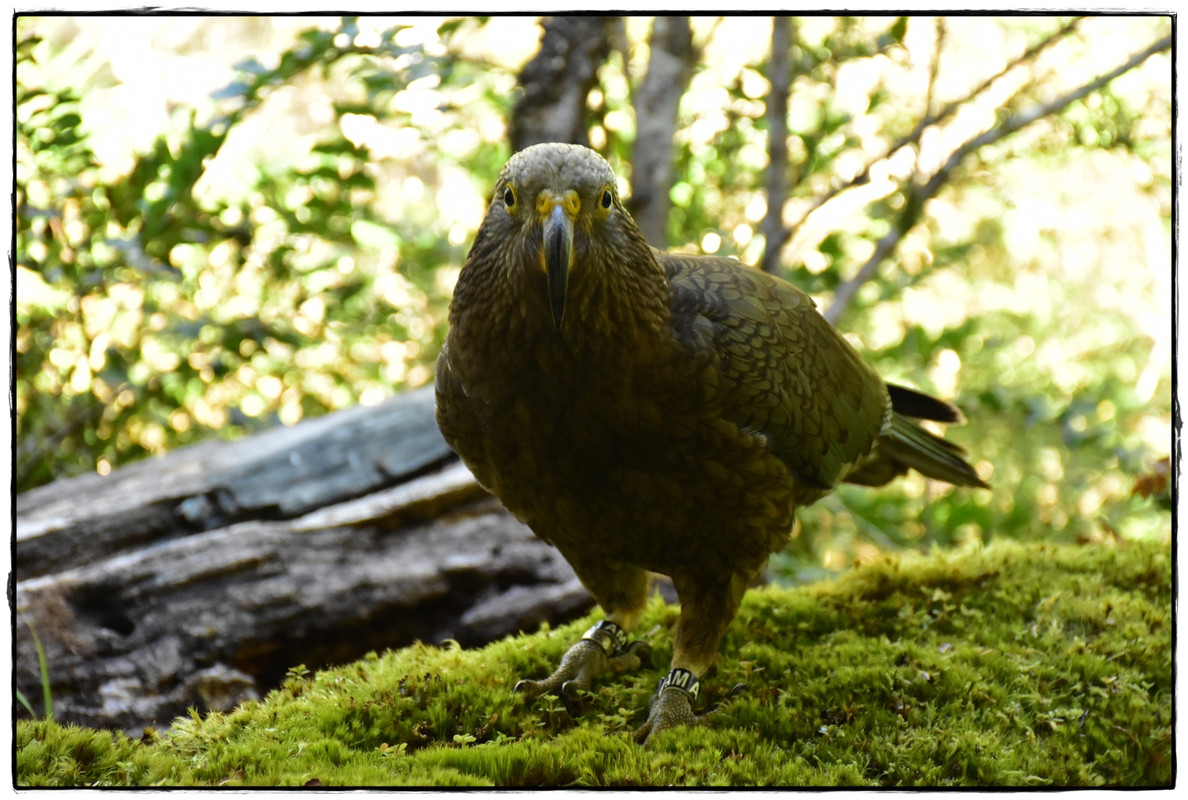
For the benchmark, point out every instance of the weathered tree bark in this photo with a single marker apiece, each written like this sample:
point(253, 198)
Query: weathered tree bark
point(558, 79)
point(199, 578)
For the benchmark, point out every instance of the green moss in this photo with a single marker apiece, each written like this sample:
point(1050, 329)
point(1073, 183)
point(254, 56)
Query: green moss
point(1028, 666)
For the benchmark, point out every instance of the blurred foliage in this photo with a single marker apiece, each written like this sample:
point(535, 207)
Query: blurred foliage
point(148, 317)
point(218, 286)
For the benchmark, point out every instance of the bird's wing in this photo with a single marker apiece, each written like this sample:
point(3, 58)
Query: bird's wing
point(782, 369)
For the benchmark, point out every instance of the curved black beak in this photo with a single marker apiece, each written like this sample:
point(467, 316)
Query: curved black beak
point(558, 257)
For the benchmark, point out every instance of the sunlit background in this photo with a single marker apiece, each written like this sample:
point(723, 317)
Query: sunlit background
point(230, 223)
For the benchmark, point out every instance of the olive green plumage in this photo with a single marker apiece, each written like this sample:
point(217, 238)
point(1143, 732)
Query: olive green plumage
point(651, 411)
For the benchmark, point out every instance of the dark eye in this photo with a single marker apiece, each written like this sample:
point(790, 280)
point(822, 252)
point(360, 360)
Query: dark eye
point(606, 198)
point(509, 197)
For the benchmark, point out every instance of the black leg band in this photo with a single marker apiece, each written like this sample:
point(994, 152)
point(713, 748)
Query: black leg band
point(607, 635)
point(681, 679)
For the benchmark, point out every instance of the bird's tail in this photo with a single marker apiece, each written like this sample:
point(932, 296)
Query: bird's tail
point(906, 445)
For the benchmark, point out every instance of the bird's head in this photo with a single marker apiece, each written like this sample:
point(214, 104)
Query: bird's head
point(556, 210)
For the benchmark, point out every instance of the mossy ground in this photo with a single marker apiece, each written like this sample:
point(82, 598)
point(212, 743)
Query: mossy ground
point(1015, 665)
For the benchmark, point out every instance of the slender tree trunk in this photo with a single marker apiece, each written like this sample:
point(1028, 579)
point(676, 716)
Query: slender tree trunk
point(656, 105)
point(775, 233)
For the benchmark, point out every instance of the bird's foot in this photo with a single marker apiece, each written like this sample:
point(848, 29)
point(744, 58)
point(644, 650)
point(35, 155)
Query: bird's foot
point(603, 648)
point(672, 705)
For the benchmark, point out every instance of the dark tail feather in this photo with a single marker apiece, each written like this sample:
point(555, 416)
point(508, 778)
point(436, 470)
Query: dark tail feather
point(905, 445)
point(910, 445)
point(918, 405)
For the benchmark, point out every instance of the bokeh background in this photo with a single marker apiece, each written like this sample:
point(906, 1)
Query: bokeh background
point(225, 224)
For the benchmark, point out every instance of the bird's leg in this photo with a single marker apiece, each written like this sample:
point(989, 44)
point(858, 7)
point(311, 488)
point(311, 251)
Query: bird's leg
point(622, 592)
point(707, 607)
point(603, 648)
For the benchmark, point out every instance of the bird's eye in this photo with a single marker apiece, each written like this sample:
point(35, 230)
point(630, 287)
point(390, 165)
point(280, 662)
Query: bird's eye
point(509, 197)
point(606, 198)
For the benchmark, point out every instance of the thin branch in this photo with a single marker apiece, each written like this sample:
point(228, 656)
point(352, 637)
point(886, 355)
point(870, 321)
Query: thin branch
point(1018, 121)
point(933, 70)
point(914, 136)
point(918, 195)
point(779, 73)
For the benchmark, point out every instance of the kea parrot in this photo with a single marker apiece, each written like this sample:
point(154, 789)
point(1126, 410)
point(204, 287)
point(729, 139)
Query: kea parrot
point(652, 412)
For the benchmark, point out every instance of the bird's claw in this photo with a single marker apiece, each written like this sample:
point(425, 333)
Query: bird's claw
point(631, 658)
point(734, 692)
point(599, 651)
point(569, 691)
point(672, 706)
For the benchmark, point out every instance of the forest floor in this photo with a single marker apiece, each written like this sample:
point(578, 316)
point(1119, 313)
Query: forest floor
point(1010, 665)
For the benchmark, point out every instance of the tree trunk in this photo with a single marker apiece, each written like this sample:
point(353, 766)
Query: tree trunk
point(199, 578)
point(779, 72)
point(669, 69)
point(558, 79)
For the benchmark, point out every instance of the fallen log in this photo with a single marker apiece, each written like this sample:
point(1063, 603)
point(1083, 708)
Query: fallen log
point(199, 578)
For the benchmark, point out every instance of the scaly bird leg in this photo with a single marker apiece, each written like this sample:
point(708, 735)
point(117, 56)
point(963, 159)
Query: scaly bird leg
point(707, 608)
point(603, 648)
point(622, 591)
point(673, 703)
